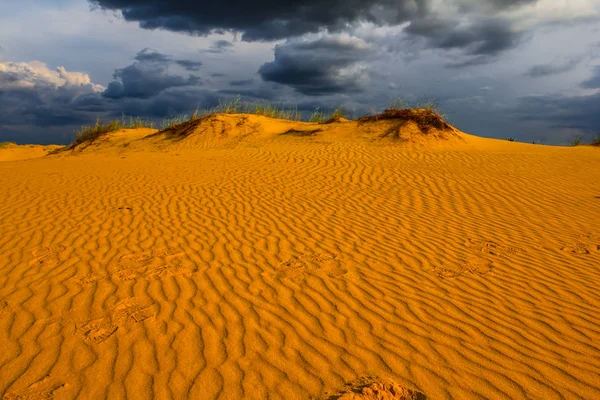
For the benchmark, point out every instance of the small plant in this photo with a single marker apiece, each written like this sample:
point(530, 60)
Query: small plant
point(93, 132)
point(7, 144)
point(577, 140)
point(137, 122)
point(426, 117)
point(317, 116)
point(169, 123)
point(596, 141)
point(510, 139)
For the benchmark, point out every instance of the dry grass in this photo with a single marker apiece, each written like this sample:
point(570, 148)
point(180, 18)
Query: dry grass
point(7, 144)
point(91, 133)
point(426, 118)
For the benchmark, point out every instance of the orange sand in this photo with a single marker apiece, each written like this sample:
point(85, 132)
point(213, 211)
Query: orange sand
point(13, 152)
point(230, 260)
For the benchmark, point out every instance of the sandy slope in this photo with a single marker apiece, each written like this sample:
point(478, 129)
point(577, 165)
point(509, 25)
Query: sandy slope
point(234, 261)
point(13, 152)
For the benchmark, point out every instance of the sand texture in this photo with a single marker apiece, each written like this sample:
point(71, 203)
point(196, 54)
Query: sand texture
point(12, 152)
point(241, 257)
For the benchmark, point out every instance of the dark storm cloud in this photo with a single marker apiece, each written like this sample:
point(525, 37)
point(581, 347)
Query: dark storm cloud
point(168, 103)
point(149, 55)
point(575, 112)
point(220, 46)
point(480, 41)
point(189, 64)
point(265, 20)
point(323, 66)
point(542, 70)
point(271, 20)
point(261, 93)
point(594, 81)
point(143, 80)
point(242, 82)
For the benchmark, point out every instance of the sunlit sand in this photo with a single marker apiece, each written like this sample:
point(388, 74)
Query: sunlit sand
point(238, 256)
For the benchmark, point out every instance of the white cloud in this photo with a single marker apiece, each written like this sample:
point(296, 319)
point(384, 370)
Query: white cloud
point(22, 75)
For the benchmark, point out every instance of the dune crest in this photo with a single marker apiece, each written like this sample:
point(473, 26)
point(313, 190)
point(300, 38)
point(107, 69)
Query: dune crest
point(232, 130)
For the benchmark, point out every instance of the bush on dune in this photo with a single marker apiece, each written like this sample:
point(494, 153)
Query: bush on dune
point(90, 133)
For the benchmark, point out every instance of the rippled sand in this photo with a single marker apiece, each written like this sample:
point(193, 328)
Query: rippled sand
point(255, 258)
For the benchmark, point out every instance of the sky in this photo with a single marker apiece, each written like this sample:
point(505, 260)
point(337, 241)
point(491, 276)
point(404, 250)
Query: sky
point(522, 69)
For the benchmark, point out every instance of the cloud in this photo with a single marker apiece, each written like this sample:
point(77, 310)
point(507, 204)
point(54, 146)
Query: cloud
point(31, 92)
point(189, 65)
point(594, 81)
point(32, 96)
point(266, 20)
point(220, 46)
point(543, 70)
point(330, 64)
point(149, 55)
point(579, 113)
point(273, 20)
point(480, 40)
point(143, 80)
point(242, 82)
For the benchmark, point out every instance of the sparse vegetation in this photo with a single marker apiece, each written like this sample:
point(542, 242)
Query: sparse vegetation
point(426, 116)
point(90, 133)
point(170, 123)
point(317, 116)
point(596, 141)
point(136, 122)
point(7, 144)
point(577, 140)
point(510, 139)
point(237, 106)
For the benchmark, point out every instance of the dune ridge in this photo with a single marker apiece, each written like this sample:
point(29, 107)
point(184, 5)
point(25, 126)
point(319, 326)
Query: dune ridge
point(250, 263)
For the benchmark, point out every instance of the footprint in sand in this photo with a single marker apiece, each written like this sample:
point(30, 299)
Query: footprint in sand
point(485, 254)
point(490, 248)
point(5, 308)
point(43, 389)
point(96, 331)
point(155, 264)
point(47, 255)
point(587, 244)
point(88, 279)
point(473, 265)
point(126, 312)
point(576, 248)
point(317, 263)
point(373, 388)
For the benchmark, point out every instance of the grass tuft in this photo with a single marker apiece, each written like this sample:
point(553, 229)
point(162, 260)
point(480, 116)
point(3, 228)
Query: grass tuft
point(91, 133)
point(577, 140)
point(426, 116)
point(7, 144)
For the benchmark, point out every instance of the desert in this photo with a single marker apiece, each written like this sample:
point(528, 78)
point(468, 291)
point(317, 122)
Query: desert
point(238, 256)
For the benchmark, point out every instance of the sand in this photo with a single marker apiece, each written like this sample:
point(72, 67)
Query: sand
point(13, 152)
point(245, 257)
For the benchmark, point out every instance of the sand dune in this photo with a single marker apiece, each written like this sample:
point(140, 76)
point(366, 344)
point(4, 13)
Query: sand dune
point(243, 257)
point(13, 152)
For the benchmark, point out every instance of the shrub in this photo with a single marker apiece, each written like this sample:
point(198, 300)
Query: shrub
point(93, 132)
point(577, 140)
